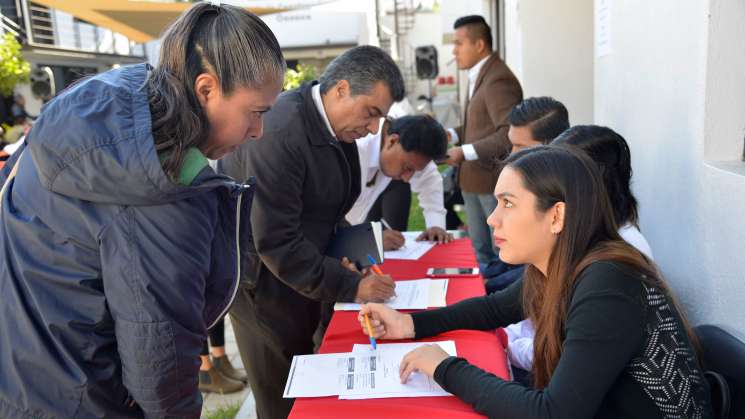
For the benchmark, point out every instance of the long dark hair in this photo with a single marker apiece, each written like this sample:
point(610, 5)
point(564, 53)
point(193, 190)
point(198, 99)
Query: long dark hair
point(229, 42)
point(611, 153)
point(590, 234)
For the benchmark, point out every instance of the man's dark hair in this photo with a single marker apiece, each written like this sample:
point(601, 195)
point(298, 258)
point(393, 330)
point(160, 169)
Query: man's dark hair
point(477, 28)
point(545, 116)
point(363, 67)
point(421, 134)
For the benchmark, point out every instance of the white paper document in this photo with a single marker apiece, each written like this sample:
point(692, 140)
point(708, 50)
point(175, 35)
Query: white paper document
point(316, 375)
point(438, 291)
point(389, 381)
point(412, 249)
point(361, 374)
point(415, 294)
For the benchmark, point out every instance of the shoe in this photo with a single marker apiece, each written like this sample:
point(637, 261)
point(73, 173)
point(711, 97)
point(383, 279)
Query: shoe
point(222, 364)
point(212, 381)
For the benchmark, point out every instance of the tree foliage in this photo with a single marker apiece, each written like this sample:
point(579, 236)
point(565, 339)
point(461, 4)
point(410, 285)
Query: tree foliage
point(303, 73)
point(13, 68)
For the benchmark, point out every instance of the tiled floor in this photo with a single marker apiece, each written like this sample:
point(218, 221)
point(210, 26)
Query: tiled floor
point(213, 401)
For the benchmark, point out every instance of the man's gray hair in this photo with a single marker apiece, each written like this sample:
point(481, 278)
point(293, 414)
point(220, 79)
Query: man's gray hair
point(363, 67)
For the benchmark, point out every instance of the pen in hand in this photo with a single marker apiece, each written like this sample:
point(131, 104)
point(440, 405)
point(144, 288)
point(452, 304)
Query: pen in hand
point(388, 227)
point(373, 343)
point(374, 266)
point(376, 269)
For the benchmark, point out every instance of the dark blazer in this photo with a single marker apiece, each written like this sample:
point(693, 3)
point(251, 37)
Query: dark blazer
point(485, 125)
point(306, 181)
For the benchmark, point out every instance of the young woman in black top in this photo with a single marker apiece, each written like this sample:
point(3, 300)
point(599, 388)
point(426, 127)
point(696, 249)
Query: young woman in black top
point(611, 342)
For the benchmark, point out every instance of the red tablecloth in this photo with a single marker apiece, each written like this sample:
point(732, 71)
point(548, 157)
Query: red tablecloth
point(482, 349)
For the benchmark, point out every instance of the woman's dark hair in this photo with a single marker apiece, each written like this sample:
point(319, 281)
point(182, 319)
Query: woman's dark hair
point(590, 234)
point(421, 134)
point(611, 154)
point(545, 116)
point(232, 44)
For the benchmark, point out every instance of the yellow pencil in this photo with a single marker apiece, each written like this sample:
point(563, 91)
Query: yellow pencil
point(369, 332)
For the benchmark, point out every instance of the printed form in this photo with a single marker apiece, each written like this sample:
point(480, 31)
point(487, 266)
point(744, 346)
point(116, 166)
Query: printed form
point(412, 249)
point(361, 374)
point(415, 294)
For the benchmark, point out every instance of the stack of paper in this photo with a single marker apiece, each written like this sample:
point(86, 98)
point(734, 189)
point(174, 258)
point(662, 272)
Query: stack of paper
point(416, 294)
point(361, 374)
point(412, 249)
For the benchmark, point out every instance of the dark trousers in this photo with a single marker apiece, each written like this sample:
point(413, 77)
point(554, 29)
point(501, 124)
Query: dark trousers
point(393, 205)
point(452, 221)
point(500, 275)
point(217, 337)
point(271, 325)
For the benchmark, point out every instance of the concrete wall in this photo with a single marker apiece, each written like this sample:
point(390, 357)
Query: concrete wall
point(668, 89)
point(550, 48)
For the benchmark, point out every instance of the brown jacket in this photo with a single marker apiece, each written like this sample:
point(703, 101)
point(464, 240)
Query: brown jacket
point(485, 125)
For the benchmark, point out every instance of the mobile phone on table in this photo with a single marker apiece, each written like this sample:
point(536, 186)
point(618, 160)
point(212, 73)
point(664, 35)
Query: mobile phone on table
point(435, 272)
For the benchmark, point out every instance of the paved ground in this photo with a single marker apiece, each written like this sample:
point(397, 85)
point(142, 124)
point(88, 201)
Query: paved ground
point(244, 398)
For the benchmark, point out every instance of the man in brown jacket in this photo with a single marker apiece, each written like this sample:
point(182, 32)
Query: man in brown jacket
point(482, 139)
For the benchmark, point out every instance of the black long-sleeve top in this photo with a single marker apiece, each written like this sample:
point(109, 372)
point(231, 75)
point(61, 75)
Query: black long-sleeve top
point(625, 354)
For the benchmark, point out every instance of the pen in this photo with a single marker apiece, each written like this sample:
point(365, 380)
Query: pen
point(388, 227)
point(374, 266)
point(377, 270)
point(369, 332)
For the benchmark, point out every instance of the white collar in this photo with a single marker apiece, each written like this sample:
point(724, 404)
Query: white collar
point(369, 151)
point(315, 92)
point(473, 72)
point(374, 161)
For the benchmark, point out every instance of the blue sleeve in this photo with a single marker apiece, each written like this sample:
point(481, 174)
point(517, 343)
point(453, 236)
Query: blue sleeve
point(155, 263)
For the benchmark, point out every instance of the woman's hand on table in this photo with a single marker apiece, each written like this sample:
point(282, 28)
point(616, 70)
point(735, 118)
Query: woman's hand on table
point(386, 323)
point(423, 359)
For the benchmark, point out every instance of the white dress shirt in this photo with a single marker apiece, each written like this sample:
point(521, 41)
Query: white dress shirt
point(427, 183)
point(634, 237)
point(473, 75)
point(315, 92)
point(469, 153)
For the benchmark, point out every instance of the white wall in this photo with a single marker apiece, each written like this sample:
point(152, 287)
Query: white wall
point(550, 50)
point(317, 28)
point(427, 30)
point(654, 90)
point(725, 103)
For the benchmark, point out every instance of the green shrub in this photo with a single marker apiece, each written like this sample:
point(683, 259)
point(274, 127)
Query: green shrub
point(294, 78)
point(13, 68)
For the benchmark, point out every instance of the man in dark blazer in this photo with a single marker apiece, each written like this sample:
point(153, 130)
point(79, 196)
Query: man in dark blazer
point(482, 138)
point(307, 178)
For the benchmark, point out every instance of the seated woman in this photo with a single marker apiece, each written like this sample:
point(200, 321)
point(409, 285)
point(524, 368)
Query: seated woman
point(611, 341)
point(611, 154)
